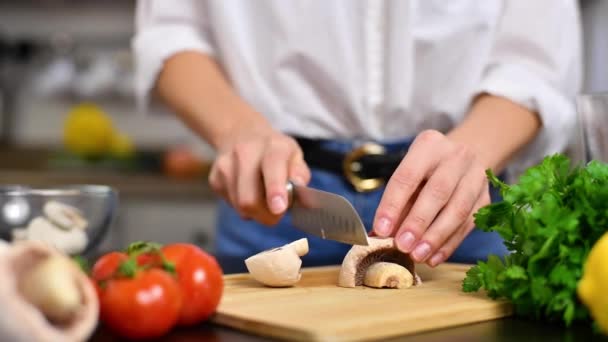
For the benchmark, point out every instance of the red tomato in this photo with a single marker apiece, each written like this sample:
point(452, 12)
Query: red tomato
point(106, 265)
point(200, 280)
point(145, 306)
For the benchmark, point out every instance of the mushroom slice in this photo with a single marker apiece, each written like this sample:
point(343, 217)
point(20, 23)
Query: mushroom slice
point(68, 241)
point(64, 216)
point(278, 267)
point(358, 260)
point(44, 295)
point(388, 274)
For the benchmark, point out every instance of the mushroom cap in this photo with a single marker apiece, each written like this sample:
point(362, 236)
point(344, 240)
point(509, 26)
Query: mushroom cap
point(20, 320)
point(300, 246)
point(64, 216)
point(278, 267)
point(359, 258)
point(67, 241)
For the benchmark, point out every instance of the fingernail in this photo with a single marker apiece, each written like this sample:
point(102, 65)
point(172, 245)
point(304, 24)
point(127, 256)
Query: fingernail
point(436, 259)
point(421, 251)
point(405, 241)
point(277, 205)
point(384, 227)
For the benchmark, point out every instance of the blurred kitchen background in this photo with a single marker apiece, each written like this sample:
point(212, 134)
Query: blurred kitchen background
point(66, 68)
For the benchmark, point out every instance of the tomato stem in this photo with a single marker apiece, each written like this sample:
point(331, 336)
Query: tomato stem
point(128, 268)
point(139, 247)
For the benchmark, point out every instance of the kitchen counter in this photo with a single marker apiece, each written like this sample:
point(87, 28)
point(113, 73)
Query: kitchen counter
point(46, 168)
point(508, 329)
point(505, 329)
point(127, 183)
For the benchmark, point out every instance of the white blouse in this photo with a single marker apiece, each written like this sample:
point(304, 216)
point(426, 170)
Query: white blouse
point(377, 69)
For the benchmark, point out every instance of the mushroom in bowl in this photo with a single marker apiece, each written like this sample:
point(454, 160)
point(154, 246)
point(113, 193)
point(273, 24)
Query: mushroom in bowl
point(73, 219)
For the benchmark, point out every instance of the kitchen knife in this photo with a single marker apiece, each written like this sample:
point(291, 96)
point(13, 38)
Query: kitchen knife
point(326, 215)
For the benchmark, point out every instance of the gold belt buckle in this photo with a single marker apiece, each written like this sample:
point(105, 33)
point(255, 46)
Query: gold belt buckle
point(351, 166)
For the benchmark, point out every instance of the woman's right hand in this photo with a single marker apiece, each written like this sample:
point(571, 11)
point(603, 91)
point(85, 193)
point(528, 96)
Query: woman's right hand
point(252, 168)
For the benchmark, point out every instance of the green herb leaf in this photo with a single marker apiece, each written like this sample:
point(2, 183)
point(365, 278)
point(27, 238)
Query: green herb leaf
point(549, 220)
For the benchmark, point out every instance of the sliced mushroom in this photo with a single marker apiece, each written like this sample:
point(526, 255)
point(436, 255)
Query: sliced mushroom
point(64, 216)
point(359, 259)
point(278, 267)
point(44, 295)
point(387, 274)
point(68, 241)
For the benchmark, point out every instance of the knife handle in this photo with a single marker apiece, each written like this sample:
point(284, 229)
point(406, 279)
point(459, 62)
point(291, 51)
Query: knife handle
point(289, 193)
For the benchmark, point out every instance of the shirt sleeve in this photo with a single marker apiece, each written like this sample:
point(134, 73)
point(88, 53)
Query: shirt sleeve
point(162, 29)
point(536, 62)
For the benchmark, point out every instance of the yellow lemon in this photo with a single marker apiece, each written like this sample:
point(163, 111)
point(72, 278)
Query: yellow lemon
point(121, 145)
point(594, 282)
point(88, 131)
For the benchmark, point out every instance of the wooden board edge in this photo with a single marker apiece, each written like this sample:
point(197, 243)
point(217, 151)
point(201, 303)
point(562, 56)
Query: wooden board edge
point(502, 310)
point(259, 328)
point(262, 329)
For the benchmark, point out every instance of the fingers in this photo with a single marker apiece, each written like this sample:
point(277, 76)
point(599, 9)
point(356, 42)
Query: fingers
point(452, 216)
point(252, 176)
point(448, 248)
point(434, 196)
point(221, 173)
point(275, 172)
point(418, 163)
point(247, 179)
point(299, 172)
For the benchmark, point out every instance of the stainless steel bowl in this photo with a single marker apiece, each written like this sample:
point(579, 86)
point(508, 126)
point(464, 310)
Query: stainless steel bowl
point(20, 204)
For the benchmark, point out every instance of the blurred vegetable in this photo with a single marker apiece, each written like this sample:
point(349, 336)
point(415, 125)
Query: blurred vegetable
point(88, 131)
point(121, 146)
point(181, 163)
point(592, 289)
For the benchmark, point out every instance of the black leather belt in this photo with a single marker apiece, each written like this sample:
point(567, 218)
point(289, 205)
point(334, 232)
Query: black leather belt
point(366, 167)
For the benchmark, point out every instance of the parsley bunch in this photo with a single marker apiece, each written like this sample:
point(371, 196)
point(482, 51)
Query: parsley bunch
point(549, 221)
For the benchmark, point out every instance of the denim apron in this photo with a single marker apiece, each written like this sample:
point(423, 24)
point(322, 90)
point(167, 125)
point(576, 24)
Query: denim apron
point(236, 239)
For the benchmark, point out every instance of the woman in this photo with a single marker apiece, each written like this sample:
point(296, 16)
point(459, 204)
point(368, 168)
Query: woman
point(290, 89)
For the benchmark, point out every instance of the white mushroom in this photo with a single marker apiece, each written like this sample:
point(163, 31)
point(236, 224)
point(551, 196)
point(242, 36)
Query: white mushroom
point(387, 274)
point(44, 295)
point(19, 234)
point(380, 251)
point(64, 216)
point(278, 267)
point(49, 286)
point(68, 241)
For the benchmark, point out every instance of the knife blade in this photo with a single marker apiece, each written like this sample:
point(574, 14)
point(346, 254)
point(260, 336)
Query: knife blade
point(324, 214)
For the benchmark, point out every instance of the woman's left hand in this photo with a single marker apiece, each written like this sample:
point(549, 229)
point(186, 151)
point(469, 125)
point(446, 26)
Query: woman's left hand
point(429, 202)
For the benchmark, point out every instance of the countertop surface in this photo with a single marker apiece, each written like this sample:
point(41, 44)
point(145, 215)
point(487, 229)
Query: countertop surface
point(127, 183)
point(46, 168)
point(507, 329)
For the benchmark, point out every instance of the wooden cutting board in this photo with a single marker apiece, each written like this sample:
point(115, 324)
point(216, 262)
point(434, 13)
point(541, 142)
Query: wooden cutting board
point(317, 309)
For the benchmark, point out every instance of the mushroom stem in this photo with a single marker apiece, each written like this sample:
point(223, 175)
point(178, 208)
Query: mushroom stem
point(388, 274)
